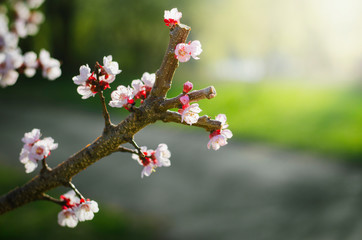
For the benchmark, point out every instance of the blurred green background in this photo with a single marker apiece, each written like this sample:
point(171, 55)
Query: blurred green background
point(287, 73)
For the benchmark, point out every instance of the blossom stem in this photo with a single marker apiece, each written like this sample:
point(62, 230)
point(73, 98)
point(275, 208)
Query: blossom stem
point(51, 199)
point(71, 185)
point(107, 119)
point(140, 153)
point(124, 149)
point(45, 168)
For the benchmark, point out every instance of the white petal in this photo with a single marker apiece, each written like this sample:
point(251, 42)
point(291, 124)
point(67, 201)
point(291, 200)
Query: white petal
point(227, 133)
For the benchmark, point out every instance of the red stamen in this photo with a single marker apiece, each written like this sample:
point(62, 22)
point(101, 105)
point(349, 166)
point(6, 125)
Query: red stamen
point(214, 133)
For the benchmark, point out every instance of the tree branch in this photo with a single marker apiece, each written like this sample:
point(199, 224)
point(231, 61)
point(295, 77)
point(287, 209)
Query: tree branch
point(169, 64)
point(194, 96)
point(203, 122)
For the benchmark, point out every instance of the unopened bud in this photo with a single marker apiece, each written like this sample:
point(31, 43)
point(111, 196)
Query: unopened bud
point(187, 87)
point(184, 99)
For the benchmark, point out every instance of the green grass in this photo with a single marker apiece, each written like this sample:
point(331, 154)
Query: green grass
point(38, 220)
point(319, 118)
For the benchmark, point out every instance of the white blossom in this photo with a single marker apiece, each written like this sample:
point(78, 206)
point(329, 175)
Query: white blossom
point(148, 79)
point(31, 63)
point(9, 78)
point(31, 137)
point(72, 196)
point(84, 74)
point(163, 155)
point(35, 149)
point(41, 149)
point(85, 211)
point(34, 3)
point(172, 17)
point(29, 164)
point(190, 114)
point(138, 86)
point(195, 49)
point(219, 138)
point(110, 66)
point(184, 51)
point(50, 66)
point(121, 96)
point(85, 91)
point(67, 218)
point(153, 159)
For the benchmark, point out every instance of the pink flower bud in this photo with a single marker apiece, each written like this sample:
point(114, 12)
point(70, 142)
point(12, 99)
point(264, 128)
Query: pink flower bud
point(187, 87)
point(184, 99)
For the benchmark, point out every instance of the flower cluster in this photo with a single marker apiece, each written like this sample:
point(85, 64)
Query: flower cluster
point(153, 159)
point(27, 19)
point(189, 113)
point(35, 149)
point(219, 137)
point(172, 17)
point(92, 82)
point(12, 62)
point(50, 66)
point(184, 51)
point(76, 209)
point(126, 96)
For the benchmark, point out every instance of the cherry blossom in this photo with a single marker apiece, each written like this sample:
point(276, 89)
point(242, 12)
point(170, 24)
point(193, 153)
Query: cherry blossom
point(90, 83)
point(85, 91)
point(41, 149)
point(76, 209)
point(172, 17)
point(86, 209)
point(34, 3)
point(70, 198)
point(50, 66)
point(184, 51)
point(29, 164)
point(181, 52)
point(8, 40)
point(121, 97)
point(67, 218)
point(35, 149)
point(162, 155)
point(27, 21)
point(190, 113)
point(84, 74)
point(30, 63)
point(139, 89)
point(195, 49)
point(10, 60)
point(110, 66)
point(153, 159)
point(219, 137)
point(31, 137)
point(149, 80)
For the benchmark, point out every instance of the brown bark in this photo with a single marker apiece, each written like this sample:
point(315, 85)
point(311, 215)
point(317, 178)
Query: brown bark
point(153, 109)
